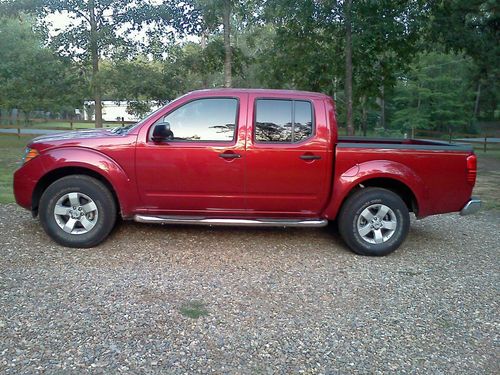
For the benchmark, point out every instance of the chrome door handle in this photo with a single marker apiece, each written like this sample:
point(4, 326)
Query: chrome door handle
point(310, 157)
point(229, 156)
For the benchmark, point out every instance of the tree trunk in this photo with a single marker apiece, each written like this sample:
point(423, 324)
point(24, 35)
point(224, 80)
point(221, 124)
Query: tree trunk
point(419, 99)
point(364, 116)
point(94, 51)
point(227, 43)
point(478, 98)
point(382, 107)
point(348, 66)
point(204, 74)
point(203, 39)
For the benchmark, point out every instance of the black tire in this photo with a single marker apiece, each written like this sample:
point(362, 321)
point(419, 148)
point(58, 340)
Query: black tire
point(352, 224)
point(104, 215)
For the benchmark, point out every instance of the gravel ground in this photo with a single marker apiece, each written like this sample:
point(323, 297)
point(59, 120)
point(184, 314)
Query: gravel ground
point(269, 300)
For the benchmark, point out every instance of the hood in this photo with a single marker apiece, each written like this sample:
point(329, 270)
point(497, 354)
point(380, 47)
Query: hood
point(92, 138)
point(79, 134)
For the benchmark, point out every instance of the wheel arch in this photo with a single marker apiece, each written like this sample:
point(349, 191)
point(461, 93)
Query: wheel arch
point(59, 173)
point(392, 184)
point(390, 175)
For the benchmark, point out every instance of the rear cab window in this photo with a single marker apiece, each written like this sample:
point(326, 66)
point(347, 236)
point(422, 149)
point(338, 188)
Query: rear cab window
point(283, 121)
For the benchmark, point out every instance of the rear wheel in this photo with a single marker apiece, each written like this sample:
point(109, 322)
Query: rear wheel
point(374, 221)
point(77, 211)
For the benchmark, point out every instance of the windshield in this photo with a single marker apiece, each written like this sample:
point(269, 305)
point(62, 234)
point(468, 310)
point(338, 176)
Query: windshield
point(126, 129)
point(123, 129)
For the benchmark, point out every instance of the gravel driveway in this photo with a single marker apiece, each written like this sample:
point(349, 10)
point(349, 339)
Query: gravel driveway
point(229, 300)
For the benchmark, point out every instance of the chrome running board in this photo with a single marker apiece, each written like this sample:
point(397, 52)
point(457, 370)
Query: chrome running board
point(195, 220)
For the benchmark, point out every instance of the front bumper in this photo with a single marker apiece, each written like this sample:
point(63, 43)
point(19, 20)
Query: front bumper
point(471, 207)
point(25, 180)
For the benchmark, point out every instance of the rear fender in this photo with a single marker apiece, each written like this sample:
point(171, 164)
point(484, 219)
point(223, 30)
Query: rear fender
point(348, 180)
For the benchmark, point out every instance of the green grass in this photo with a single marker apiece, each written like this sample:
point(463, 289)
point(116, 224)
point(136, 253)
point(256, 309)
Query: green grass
point(492, 153)
point(49, 125)
point(194, 309)
point(11, 152)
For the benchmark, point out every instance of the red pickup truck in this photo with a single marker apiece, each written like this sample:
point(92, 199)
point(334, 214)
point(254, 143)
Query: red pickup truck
point(242, 157)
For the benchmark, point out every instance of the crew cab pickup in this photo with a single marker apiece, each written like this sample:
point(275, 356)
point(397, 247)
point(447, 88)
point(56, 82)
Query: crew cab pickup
point(242, 157)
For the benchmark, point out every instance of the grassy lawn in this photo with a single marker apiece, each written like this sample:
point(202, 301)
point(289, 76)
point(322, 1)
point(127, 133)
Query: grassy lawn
point(490, 154)
point(11, 151)
point(488, 179)
point(49, 125)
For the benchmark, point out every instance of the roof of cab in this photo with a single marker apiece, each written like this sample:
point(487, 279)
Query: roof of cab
point(263, 92)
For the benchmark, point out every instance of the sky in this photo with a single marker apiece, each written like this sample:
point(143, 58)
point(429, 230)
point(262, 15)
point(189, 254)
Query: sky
point(60, 20)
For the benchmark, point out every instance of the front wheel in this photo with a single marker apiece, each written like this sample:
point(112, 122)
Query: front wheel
point(77, 211)
point(374, 221)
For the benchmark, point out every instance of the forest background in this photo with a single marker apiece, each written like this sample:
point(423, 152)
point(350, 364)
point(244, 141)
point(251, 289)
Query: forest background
point(391, 65)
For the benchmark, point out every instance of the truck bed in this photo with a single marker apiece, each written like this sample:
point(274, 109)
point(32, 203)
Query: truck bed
point(438, 169)
point(400, 143)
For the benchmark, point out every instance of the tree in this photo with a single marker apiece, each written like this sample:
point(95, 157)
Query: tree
point(472, 27)
point(202, 65)
point(375, 40)
point(435, 94)
point(141, 81)
point(101, 28)
point(33, 77)
point(348, 65)
point(214, 13)
point(294, 49)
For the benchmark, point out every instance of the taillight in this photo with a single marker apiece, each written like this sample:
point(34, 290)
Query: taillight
point(471, 169)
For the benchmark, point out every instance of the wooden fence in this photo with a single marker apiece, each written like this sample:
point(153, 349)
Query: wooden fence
point(486, 141)
point(41, 124)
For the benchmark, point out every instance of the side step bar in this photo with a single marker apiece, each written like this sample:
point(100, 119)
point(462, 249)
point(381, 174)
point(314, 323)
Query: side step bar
point(194, 220)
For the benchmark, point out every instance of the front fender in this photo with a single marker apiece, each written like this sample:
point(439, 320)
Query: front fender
point(347, 179)
point(97, 162)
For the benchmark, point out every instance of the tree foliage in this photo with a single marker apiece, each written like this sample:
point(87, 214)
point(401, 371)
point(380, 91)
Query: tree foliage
point(33, 77)
point(434, 94)
point(403, 65)
point(473, 27)
point(99, 28)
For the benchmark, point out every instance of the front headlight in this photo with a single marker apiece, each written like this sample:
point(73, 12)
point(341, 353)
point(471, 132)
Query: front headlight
point(29, 154)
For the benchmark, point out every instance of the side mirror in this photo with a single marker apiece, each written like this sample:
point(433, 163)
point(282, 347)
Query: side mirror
point(162, 132)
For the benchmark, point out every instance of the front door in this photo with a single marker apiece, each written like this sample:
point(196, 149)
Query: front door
point(199, 168)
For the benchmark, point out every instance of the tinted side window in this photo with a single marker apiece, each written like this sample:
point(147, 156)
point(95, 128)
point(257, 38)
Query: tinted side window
point(211, 119)
point(273, 121)
point(284, 121)
point(303, 125)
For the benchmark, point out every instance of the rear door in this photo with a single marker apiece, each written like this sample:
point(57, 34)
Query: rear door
point(287, 156)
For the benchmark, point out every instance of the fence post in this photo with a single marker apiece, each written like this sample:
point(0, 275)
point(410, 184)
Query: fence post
point(18, 132)
point(485, 140)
